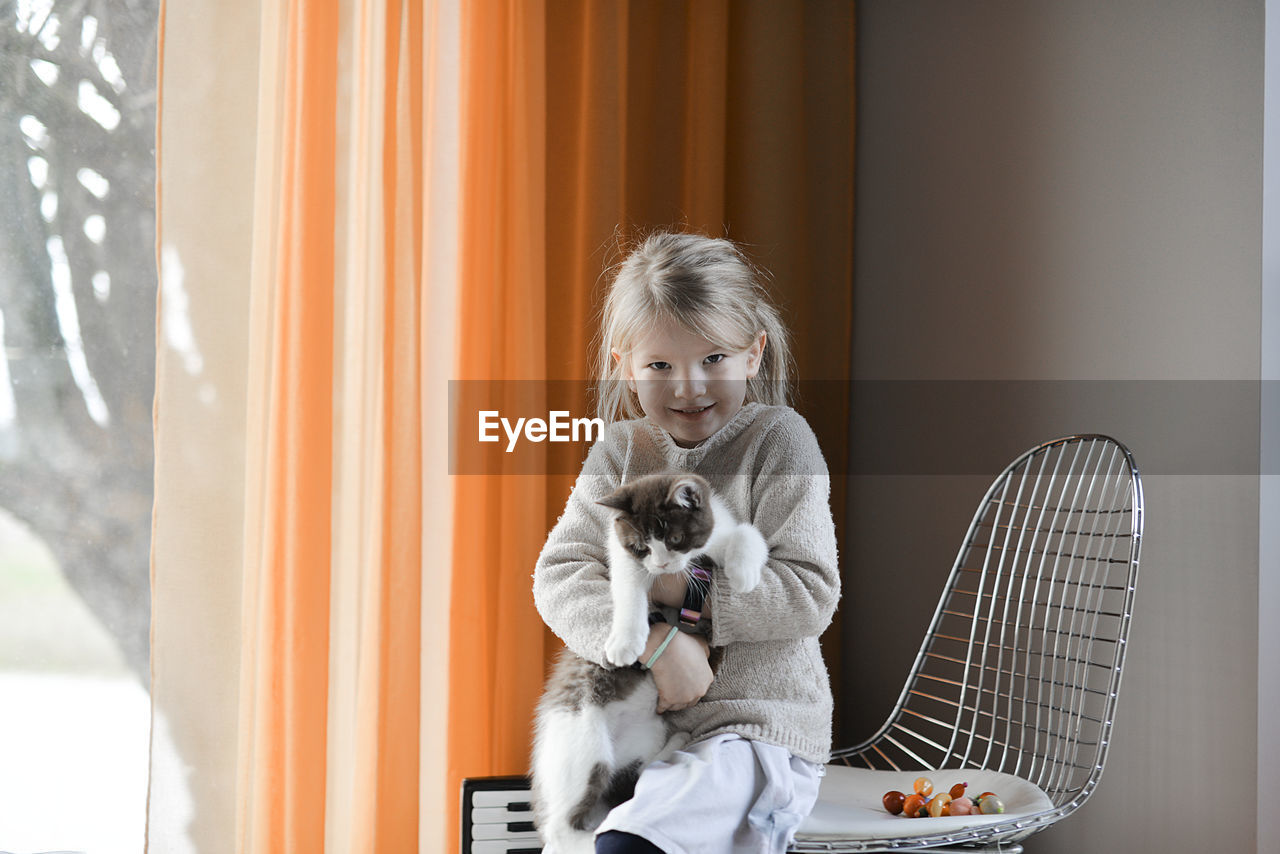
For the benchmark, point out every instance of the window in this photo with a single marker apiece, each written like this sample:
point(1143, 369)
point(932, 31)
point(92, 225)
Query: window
point(77, 332)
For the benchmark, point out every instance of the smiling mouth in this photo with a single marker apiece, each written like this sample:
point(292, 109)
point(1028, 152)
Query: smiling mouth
point(697, 410)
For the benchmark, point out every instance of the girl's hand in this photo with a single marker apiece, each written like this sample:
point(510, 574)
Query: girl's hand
point(681, 673)
point(670, 589)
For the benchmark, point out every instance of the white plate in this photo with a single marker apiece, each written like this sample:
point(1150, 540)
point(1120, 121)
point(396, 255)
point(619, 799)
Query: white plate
point(850, 803)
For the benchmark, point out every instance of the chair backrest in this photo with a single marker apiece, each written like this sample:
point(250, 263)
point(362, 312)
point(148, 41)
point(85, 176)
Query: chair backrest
point(1021, 665)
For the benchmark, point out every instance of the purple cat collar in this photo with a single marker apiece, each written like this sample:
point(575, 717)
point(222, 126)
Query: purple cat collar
point(695, 594)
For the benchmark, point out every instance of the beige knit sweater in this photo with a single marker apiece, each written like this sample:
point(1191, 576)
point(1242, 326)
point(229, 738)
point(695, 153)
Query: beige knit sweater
point(770, 681)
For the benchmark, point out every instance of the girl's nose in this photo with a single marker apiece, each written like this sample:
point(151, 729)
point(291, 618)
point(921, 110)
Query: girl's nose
point(689, 384)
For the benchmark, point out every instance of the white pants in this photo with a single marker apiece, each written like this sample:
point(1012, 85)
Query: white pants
point(724, 794)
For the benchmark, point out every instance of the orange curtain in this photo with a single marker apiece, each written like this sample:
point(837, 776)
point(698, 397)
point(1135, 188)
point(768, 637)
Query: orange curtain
point(380, 494)
point(582, 121)
point(436, 187)
point(284, 669)
point(495, 635)
point(339, 409)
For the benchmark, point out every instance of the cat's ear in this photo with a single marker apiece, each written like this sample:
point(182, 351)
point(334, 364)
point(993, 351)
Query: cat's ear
point(686, 492)
point(617, 500)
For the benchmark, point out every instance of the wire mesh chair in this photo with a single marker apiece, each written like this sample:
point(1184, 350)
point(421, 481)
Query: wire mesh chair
point(1021, 666)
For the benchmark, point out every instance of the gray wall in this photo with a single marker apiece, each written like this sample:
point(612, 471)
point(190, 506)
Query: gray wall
point(1073, 191)
point(1269, 494)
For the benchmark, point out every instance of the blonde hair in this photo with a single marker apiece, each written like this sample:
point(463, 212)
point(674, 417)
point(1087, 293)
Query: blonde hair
point(706, 285)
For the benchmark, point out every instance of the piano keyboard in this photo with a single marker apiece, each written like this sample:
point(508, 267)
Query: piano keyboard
point(497, 817)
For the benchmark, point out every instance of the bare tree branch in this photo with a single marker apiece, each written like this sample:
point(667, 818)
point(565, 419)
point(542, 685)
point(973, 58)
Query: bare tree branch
point(83, 487)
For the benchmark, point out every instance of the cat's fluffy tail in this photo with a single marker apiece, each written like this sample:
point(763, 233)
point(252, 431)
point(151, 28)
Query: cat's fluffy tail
point(571, 757)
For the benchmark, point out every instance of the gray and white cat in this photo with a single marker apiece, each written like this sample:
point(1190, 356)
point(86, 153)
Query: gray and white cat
point(597, 727)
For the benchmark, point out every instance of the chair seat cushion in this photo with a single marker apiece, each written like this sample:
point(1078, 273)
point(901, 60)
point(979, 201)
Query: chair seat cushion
point(850, 803)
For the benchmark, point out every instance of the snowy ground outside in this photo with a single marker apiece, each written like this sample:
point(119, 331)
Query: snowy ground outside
point(73, 763)
point(74, 721)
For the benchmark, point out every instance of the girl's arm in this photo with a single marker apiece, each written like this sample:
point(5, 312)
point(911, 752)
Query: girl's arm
point(570, 581)
point(800, 585)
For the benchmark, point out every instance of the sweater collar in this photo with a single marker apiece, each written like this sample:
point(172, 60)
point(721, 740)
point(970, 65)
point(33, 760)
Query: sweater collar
point(686, 458)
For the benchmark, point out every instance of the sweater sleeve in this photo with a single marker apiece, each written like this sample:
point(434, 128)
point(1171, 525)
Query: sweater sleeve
point(570, 580)
point(790, 505)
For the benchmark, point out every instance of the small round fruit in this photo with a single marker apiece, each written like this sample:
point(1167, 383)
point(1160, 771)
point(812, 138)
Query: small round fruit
point(962, 806)
point(992, 805)
point(923, 786)
point(893, 802)
point(911, 806)
point(938, 804)
point(957, 791)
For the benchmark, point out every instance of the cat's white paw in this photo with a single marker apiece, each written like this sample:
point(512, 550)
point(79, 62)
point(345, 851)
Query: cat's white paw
point(624, 649)
point(744, 558)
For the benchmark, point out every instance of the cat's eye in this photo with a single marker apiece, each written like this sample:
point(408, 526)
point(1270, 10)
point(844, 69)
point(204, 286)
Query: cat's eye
point(639, 551)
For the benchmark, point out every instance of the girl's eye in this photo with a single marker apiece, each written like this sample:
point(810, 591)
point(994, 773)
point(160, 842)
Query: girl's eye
point(658, 366)
point(715, 358)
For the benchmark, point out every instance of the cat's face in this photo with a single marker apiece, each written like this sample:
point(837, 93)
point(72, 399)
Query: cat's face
point(662, 520)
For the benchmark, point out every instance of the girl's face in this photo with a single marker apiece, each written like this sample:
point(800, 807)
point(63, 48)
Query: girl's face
point(687, 385)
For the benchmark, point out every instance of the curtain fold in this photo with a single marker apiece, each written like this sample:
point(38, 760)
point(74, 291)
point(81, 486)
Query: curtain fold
point(285, 641)
point(496, 655)
point(372, 798)
point(439, 310)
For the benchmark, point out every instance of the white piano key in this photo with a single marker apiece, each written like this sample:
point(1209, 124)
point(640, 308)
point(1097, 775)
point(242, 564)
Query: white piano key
point(491, 815)
point(500, 831)
point(504, 846)
point(499, 797)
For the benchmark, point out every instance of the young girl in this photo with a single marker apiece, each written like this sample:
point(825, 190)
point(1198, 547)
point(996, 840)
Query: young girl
point(693, 367)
